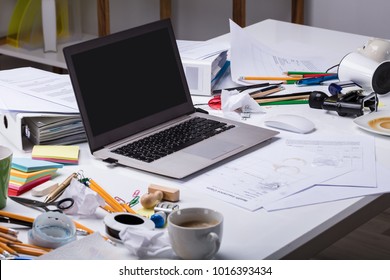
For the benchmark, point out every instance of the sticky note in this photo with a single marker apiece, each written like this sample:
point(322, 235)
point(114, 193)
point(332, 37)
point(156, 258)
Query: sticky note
point(31, 165)
point(56, 153)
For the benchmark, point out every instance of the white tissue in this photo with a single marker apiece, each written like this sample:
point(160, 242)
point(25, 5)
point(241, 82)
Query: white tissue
point(145, 243)
point(233, 100)
point(86, 201)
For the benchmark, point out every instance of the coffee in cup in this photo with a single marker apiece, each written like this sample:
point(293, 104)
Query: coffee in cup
point(195, 233)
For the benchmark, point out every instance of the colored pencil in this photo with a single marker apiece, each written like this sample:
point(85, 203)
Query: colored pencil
point(265, 78)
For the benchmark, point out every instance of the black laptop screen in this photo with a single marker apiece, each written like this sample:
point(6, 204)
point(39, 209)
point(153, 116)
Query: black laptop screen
point(128, 81)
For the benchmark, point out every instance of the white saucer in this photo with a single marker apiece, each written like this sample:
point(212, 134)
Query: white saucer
point(376, 122)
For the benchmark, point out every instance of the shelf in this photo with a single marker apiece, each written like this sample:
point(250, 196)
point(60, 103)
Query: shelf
point(55, 59)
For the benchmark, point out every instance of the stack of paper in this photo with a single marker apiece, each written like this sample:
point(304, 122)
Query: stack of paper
point(29, 173)
point(56, 153)
point(204, 64)
point(55, 130)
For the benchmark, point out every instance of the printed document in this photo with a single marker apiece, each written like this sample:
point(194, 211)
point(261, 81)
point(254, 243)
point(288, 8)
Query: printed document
point(284, 168)
point(33, 90)
point(250, 57)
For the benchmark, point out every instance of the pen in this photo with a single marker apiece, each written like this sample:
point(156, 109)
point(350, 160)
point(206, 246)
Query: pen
point(60, 189)
point(241, 88)
point(311, 75)
point(316, 81)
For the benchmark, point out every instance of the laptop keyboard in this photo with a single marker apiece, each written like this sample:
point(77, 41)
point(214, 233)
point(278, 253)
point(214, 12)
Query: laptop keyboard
point(172, 139)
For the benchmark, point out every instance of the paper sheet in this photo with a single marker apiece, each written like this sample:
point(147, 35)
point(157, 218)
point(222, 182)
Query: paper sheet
point(281, 170)
point(357, 152)
point(32, 90)
point(250, 57)
point(322, 194)
point(265, 175)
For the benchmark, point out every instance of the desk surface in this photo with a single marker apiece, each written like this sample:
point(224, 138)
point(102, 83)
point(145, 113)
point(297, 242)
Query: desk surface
point(259, 234)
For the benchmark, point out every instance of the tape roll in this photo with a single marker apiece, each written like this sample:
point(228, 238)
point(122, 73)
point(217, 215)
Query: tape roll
point(370, 74)
point(116, 222)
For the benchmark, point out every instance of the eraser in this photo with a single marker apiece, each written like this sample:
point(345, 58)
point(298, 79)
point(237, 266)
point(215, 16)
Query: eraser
point(169, 194)
point(44, 188)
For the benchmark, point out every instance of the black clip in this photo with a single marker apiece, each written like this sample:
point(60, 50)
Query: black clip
point(111, 160)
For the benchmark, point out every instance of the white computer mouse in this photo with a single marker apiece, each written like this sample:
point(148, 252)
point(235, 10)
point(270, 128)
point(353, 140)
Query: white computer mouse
point(293, 123)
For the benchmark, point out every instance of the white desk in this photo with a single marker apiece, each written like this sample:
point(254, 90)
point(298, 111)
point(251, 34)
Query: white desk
point(295, 233)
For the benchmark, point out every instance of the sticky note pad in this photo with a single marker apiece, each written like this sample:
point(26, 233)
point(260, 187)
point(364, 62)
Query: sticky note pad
point(31, 165)
point(56, 153)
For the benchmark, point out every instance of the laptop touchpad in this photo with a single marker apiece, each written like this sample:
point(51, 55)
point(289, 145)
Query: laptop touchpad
point(212, 150)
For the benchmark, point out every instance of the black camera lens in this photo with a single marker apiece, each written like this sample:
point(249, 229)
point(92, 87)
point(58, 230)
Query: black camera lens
point(316, 99)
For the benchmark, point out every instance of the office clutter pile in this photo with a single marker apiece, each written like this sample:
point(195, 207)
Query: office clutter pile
point(352, 90)
point(82, 196)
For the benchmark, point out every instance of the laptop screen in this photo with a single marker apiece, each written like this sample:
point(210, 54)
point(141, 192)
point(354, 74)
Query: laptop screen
point(128, 82)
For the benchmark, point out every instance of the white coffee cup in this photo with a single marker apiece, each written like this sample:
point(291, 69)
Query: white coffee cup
point(195, 233)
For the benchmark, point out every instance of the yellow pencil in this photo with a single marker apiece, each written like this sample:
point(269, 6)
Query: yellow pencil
point(8, 230)
point(9, 237)
point(8, 249)
point(265, 78)
point(109, 199)
point(31, 220)
point(29, 246)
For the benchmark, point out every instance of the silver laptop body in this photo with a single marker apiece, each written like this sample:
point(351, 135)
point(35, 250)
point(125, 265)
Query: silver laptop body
point(130, 85)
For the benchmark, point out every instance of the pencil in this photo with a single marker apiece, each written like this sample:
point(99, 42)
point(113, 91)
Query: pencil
point(128, 209)
point(264, 78)
point(28, 250)
point(8, 249)
point(16, 217)
point(31, 220)
point(9, 237)
point(303, 72)
point(30, 246)
point(285, 102)
point(260, 101)
point(109, 199)
point(8, 230)
point(265, 91)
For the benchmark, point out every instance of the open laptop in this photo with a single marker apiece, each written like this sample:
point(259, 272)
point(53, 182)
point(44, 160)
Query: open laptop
point(130, 85)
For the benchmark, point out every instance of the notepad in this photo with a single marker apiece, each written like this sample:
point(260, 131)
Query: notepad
point(31, 165)
point(56, 153)
point(15, 189)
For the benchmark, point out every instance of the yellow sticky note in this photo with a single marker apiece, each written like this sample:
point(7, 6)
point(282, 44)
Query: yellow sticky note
point(56, 153)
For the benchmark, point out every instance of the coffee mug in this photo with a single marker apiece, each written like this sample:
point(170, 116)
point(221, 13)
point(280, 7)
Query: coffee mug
point(195, 233)
point(5, 168)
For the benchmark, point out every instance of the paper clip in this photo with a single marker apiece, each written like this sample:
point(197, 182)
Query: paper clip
point(134, 201)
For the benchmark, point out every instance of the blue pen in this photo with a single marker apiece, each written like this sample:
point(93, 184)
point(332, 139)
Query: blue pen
point(315, 81)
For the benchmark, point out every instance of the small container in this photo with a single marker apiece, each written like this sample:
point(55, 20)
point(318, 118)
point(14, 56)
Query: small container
point(52, 230)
